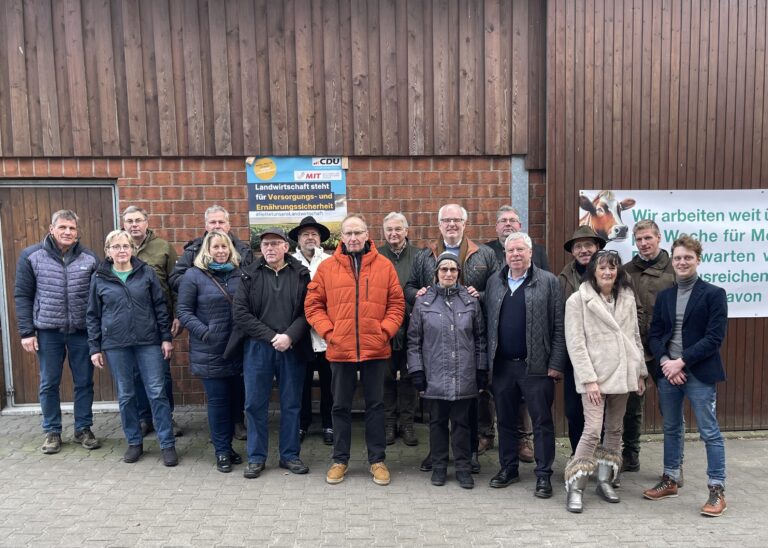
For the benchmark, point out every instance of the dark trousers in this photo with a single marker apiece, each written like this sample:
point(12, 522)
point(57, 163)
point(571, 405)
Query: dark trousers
point(457, 412)
point(323, 368)
point(574, 411)
point(400, 398)
point(633, 418)
point(510, 384)
point(223, 407)
point(344, 382)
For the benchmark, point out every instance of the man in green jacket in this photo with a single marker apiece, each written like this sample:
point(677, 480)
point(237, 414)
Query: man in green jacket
point(651, 272)
point(161, 256)
point(400, 399)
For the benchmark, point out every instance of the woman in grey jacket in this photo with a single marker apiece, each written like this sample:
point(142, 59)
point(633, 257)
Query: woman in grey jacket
point(128, 322)
point(448, 363)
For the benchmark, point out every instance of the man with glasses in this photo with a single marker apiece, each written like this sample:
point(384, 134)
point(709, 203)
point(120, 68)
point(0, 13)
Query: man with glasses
point(356, 304)
point(400, 398)
point(507, 222)
point(51, 294)
point(477, 263)
point(216, 218)
point(161, 256)
point(269, 308)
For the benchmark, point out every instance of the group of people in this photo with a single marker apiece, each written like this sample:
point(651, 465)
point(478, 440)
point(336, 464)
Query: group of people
point(482, 332)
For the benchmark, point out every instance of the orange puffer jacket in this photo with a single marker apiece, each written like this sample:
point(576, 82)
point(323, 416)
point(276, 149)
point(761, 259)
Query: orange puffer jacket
point(356, 315)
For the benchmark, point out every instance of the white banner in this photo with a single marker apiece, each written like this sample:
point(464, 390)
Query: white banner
point(732, 226)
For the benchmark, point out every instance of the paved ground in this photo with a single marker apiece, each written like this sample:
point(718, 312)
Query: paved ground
point(81, 498)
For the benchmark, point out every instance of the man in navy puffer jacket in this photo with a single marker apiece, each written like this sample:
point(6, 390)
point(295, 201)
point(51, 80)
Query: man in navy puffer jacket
point(51, 295)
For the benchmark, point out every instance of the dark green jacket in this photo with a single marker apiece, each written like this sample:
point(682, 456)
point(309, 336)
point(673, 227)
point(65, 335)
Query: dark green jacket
point(648, 283)
point(403, 264)
point(161, 256)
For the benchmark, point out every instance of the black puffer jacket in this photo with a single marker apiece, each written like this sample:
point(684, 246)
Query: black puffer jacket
point(207, 314)
point(447, 342)
point(121, 315)
point(544, 332)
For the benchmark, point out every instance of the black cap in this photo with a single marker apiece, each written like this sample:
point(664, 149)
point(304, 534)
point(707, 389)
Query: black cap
point(309, 222)
point(274, 231)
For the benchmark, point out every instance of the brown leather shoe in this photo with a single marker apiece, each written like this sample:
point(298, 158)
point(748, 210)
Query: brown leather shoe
point(380, 473)
point(525, 451)
point(484, 444)
point(666, 488)
point(715, 505)
point(336, 473)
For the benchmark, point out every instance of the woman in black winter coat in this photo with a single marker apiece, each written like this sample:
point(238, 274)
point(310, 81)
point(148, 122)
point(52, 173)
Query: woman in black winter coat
point(128, 322)
point(447, 362)
point(205, 309)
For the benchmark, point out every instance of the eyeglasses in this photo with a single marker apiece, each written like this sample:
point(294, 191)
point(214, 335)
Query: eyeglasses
point(608, 253)
point(355, 233)
point(134, 221)
point(505, 220)
point(452, 221)
point(121, 247)
point(447, 270)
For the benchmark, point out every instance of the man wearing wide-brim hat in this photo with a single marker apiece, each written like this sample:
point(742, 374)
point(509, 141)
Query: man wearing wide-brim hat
point(310, 235)
point(583, 244)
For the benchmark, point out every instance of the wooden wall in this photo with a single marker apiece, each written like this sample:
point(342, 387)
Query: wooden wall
point(662, 94)
point(259, 77)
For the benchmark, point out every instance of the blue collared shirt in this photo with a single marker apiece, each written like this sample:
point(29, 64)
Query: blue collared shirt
point(514, 283)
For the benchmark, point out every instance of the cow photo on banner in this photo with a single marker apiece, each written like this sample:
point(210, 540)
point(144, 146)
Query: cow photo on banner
point(732, 226)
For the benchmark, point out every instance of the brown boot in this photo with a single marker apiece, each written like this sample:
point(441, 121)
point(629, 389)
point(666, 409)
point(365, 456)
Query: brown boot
point(525, 451)
point(715, 505)
point(484, 444)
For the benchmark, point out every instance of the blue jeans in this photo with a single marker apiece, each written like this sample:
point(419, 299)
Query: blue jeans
point(703, 398)
point(261, 364)
point(223, 408)
point(145, 411)
point(148, 361)
point(53, 348)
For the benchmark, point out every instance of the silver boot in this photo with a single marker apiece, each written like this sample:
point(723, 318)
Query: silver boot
point(605, 477)
point(574, 503)
point(577, 473)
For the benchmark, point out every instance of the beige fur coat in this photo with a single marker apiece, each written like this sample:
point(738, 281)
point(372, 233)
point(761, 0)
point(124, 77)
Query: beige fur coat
point(604, 345)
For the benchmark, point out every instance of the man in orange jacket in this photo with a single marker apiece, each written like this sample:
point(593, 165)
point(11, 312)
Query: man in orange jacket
point(356, 304)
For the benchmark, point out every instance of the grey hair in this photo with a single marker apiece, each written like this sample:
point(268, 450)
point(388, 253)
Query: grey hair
point(506, 208)
point(464, 214)
point(395, 216)
point(216, 209)
point(519, 236)
point(66, 214)
point(136, 209)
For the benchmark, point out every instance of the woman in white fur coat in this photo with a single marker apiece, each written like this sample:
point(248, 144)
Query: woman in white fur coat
point(603, 339)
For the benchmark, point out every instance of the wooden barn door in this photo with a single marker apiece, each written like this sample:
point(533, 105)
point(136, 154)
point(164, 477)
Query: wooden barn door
point(25, 216)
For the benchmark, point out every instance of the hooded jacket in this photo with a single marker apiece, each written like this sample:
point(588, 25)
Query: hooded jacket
point(604, 347)
point(51, 290)
point(403, 264)
point(121, 315)
point(356, 310)
point(447, 342)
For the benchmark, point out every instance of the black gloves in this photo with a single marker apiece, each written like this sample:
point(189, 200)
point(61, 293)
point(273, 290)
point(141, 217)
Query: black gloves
point(482, 379)
point(419, 380)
